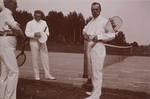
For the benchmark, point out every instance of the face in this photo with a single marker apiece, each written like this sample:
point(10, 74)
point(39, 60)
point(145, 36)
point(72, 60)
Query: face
point(95, 10)
point(37, 16)
point(12, 6)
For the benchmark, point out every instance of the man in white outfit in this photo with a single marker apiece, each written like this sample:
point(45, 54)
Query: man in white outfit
point(95, 31)
point(33, 30)
point(9, 68)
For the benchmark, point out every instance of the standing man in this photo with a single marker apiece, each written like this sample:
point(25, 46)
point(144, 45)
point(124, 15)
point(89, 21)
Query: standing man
point(95, 31)
point(33, 30)
point(9, 67)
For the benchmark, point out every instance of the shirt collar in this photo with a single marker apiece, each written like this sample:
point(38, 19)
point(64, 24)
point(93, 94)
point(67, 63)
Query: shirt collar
point(36, 21)
point(96, 18)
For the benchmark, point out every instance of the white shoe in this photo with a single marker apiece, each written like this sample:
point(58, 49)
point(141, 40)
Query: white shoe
point(88, 98)
point(51, 78)
point(89, 93)
point(37, 78)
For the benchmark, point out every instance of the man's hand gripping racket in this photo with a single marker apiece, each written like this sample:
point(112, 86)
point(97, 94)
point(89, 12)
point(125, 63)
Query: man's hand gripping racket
point(114, 24)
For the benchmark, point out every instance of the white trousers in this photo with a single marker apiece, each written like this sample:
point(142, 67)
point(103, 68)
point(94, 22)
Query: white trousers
point(96, 61)
point(38, 48)
point(9, 67)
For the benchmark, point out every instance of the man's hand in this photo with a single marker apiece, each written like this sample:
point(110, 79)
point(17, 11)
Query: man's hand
point(25, 41)
point(95, 39)
point(86, 37)
point(37, 34)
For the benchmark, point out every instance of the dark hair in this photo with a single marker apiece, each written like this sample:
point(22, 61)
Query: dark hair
point(96, 3)
point(8, 2)
point(38, 11)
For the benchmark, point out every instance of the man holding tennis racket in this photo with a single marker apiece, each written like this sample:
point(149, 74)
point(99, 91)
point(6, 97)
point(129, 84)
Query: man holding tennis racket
point(95, 31)
point(9, 67)
point(34, 30)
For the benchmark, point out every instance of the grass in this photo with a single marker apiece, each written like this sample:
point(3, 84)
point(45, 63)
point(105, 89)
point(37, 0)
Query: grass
point(79, 48)
point(60, 47)
point(30, 89)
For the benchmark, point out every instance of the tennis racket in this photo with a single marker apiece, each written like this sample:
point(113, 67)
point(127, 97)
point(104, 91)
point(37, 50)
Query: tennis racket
point(21, 58)
point(43, 37)
point(113, 25)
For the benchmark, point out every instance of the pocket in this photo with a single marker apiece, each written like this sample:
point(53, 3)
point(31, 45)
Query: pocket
point(100, 50)
point(10, 42)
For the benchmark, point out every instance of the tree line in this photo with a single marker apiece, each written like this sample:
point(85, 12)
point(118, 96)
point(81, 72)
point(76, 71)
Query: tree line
point(66, 28)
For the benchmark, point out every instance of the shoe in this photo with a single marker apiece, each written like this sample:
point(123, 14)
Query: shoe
point(89, 93)
point(37, 78)
point(51, 78)
point(89, 81)
point(88, 98)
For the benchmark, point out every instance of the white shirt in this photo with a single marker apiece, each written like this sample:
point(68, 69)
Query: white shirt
point(96, 27)
point(7, 21)
point(34, 26)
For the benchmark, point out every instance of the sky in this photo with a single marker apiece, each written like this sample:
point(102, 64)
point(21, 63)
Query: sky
point(134, 13)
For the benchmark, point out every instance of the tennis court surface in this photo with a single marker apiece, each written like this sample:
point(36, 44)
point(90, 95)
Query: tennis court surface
point(132, 74)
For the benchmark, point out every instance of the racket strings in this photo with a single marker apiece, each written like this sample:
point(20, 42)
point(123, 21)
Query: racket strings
point(21, 59)
point(116, 22)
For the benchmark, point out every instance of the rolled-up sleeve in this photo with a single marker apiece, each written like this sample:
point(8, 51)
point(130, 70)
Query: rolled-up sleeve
point(106, 37)
point(10, 21)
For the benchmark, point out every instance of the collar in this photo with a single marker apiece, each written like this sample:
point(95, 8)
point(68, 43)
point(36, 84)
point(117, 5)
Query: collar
point(96, 18)
point(36, 21)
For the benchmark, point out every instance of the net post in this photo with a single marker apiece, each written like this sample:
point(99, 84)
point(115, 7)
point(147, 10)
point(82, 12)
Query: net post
point(131, 50)
point(85, 67)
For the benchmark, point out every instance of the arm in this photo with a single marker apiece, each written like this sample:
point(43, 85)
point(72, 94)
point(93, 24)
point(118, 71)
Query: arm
point(108, 35)
point(85, 35)
point(14, 26)
point(28, 31)
point(18, 31)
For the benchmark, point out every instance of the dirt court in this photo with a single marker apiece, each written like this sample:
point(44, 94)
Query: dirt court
point(131, 75)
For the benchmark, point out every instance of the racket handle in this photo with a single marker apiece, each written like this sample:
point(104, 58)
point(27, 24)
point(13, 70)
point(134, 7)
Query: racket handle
point(93, 44)
point(45, 29)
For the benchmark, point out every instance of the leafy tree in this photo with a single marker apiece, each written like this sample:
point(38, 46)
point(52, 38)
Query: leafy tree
point(76, 23)
point(81, 24)
point(67, 29)
point(135, 44)
point(88, 20)
point(22, 17)
point(119, 40)
point(54, 20)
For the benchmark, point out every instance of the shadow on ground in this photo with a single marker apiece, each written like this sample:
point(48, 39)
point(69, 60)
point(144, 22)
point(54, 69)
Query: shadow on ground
point(31, 89)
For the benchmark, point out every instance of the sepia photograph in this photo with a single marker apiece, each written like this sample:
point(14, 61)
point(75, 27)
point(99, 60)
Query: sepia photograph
point(74, 49)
